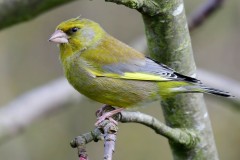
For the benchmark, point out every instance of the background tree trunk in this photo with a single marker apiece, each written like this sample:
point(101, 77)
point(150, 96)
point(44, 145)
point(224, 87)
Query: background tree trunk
point(169, 42)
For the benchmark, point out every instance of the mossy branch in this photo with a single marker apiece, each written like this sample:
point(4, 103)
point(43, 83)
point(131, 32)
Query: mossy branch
point(16, 11)
point(149, 7)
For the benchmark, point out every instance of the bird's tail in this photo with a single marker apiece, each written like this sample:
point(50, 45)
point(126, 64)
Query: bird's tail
point(202, 89)
point(218, 92)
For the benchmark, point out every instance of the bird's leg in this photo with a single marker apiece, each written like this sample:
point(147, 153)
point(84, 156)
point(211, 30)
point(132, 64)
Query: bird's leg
point(104, 113)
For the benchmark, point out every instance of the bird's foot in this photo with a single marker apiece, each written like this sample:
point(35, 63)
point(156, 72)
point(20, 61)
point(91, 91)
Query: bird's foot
point(104, 113)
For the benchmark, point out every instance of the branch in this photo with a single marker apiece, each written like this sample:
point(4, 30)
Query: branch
point(149, 7)
point(169, 42)
point(204, 12)
point(110, 135)
point(34, 105)
point(81, 141)
point(16, 11)
point(106, 129)
point(181, 136)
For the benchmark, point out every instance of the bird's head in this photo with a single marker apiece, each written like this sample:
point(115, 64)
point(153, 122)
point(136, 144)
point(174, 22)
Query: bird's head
point(77, 34)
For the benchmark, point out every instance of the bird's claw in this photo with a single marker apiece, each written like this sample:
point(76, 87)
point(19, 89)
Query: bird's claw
point(102, 116)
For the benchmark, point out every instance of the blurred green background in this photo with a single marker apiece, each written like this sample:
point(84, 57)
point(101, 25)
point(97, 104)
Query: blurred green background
point(28, 60)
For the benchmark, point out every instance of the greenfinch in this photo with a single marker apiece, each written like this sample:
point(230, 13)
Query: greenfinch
point(108, 71)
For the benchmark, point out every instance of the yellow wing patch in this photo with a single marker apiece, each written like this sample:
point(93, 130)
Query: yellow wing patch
point(130, 76)
point(143, 76)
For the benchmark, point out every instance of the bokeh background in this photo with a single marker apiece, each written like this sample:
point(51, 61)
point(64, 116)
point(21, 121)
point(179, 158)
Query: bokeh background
point(28, 60)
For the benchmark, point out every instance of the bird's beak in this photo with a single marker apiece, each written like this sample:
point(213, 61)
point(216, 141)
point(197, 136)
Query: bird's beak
point(59, 37)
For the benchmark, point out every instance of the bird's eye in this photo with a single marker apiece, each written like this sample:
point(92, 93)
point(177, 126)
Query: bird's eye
point(74, 29)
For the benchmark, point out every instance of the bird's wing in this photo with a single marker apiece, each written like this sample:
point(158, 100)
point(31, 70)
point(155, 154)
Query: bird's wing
point(148, 70)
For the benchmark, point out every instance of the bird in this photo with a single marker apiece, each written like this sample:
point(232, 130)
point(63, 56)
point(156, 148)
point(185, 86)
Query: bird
point(109, 71)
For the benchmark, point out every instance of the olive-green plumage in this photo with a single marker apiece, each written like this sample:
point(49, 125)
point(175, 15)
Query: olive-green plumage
point(109, 71)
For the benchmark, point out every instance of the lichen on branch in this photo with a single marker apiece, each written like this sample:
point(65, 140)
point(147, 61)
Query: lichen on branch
point(148, 7)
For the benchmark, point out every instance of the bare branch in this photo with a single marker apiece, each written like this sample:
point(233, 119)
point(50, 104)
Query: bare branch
point(203, 12)
point(16, 11)
point(110, 135)
point(33, 105)
point(108, 130)
point(81, 141)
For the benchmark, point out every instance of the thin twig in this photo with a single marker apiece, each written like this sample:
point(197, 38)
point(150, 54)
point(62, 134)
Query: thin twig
point(106, 130)
point(203, 12)
point(81, 141)
point(109, 128)
point(110, 135)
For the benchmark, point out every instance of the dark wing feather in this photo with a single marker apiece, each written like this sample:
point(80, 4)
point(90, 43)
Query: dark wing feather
point(177, 75)
point(148, 66)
